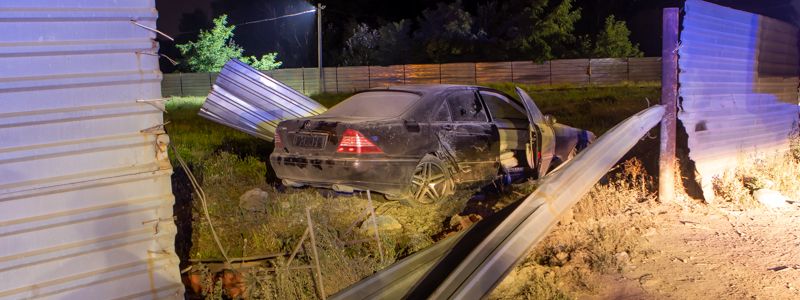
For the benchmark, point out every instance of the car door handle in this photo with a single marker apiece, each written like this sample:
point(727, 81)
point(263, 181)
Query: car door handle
point(447, 127)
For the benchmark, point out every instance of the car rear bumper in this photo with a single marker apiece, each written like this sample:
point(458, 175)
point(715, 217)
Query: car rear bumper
point(384, 175)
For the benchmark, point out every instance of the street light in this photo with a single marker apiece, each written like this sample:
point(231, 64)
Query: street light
point(320, 7)
point(318, 10)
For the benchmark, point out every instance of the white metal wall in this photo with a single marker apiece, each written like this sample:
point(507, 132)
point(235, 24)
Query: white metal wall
point(85, 195)
point(738, 84)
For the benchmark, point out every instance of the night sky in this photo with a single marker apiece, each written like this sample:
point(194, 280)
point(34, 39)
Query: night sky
point(295, 38)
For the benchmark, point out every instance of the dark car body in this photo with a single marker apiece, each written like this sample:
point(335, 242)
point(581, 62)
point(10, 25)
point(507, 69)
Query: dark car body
point(467, 128)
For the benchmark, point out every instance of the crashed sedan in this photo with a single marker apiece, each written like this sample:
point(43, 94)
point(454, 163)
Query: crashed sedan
point(411, 142)
point(417, 142)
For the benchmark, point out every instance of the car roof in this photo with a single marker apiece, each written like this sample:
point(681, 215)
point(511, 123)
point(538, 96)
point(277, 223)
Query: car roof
point(424, 89)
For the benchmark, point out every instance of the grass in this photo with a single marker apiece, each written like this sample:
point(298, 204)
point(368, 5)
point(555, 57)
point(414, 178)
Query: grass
point(772, 171)
point(229, 163)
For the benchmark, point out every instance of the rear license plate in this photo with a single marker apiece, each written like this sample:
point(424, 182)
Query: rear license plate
point(312, 141)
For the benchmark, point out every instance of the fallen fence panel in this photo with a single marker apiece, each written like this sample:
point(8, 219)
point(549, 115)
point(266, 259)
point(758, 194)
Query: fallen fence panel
point(248, 100)
point(472, 264)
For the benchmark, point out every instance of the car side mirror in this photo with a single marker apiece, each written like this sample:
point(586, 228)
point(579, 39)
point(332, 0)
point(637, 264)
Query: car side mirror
point(550, 120)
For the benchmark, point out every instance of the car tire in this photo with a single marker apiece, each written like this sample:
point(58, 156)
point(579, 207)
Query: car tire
point(431, 182)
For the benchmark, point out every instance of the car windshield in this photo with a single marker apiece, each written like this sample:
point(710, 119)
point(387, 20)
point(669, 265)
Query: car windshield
point(378, 104)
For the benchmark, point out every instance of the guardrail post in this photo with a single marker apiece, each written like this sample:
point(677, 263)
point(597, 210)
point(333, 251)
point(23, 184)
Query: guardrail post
point(669, 98)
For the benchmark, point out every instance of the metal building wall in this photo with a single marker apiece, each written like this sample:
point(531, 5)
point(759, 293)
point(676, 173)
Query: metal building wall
point(738, 85)
point(85, 194)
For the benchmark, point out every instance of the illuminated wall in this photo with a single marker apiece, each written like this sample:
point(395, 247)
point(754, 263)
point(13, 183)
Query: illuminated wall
point(738, 86)
point(85, 193)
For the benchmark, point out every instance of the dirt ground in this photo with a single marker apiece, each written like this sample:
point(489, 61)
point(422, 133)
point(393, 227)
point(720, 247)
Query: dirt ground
point(699, 251)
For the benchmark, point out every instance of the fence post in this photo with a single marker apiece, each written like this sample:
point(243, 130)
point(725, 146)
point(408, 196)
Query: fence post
point(440, 73)
point(404, 74)
point(589, 71)
point(628, 69)
point(475, 73)
point(669, 98)
point(180, 83)
point(303, 79)
point(512, 72)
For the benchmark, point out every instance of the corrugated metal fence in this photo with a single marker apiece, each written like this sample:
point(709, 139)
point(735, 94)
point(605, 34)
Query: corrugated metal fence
point(738, 84)
point(349, 79)
point(85, 194)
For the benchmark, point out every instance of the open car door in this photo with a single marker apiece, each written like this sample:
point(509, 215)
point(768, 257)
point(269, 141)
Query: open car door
point(252, 102)
point(542, 142)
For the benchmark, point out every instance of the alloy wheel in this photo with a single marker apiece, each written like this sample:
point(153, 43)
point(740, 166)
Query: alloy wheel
point(430, 183)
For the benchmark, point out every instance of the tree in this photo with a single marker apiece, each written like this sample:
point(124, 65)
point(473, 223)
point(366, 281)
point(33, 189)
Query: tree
point(395, 42)
point(361, 47)
point(214, 48)
point(265, 63)
point(446, 32)
point(552, 34)
point(529, 29)
point(614, 41)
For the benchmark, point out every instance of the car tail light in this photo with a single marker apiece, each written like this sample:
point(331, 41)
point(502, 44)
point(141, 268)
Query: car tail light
point(278, 141)
point(355, 142)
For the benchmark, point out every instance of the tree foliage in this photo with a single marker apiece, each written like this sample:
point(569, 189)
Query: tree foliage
point(394, 43)
point(265, 63)
point(614, 41)
point(553, 31)
point(215, 47)
point(361, 48)
point(536, 30)
point(446, 32)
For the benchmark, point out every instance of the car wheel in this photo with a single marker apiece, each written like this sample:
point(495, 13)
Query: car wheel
point(431, 181)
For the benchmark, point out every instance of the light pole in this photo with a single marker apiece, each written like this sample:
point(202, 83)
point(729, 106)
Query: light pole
point(320, 7)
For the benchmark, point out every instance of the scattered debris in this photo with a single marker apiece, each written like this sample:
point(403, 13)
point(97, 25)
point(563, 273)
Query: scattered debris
point(645, 278)
point(770, 198)
point(232, 283)
point(385, 223)
point(784, 268)
point(622, 257)
point(463, 222)
point(254, 200)
point(695, 225)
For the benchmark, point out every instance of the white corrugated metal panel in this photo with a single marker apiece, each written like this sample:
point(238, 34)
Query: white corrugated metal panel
point(738, 84)
point(85, 194)
point(248, 100)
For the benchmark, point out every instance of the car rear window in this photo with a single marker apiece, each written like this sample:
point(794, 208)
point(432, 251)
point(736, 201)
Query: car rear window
point(382, 104)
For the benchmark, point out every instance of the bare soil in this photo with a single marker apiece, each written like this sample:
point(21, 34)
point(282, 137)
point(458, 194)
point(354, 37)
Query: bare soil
point(699, 251)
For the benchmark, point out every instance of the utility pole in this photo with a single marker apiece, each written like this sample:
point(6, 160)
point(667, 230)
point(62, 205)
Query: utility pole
point(320, 7)
point(669, 98)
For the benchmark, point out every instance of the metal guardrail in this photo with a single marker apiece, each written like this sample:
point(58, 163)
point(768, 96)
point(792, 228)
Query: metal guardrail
point(472, 263)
